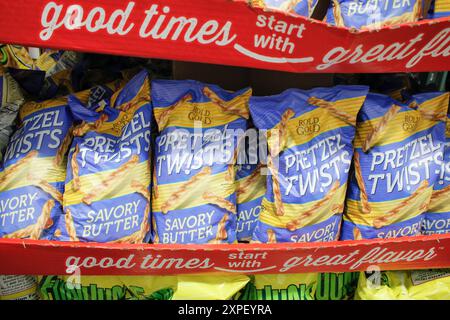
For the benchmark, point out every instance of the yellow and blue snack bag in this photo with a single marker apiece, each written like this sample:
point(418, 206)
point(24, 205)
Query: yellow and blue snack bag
point(405, 285)
point(398, 152)
point(439, 9)
point(251, 187)
point(437, 217)
point(366, 14)
point(301, 7)
point(107, 189)
point(309, 137)
point(31, 199)
point(180, 287)
point(194, 191)
point(302, 286)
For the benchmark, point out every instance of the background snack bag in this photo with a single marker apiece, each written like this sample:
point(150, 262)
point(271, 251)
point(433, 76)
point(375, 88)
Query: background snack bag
point(209, 287)
point(15, 287)
point(31, 198)
point(200, 125)
point(398, 151)
point(107, 197)
point(302, 286)
point(405, 285)
point(251, 187)
point(11, 99)
point(366, 14)
point(310, 137)
point(437, 217)
point(301, 7)
point(107, 287)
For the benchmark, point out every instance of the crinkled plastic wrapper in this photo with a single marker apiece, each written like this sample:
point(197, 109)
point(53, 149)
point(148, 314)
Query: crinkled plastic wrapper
point(368, 14)
point(305, 286)
point(437, 217)
point(310, 137)
point(405, 285)
point(200, 126)
point(107, 189)
point(181, 287)
point(398, 155)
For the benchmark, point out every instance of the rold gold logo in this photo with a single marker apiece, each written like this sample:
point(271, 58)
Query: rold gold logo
point(308, 126)
point(198, 114)
point(410, 123)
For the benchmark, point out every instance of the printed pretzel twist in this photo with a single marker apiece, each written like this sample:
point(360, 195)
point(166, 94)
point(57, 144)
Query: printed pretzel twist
point(221, 234)
point(164, 117)
point(231, 107)
point(271, 236)
point(279, 206)
point(297, 223)
point(46, 187)
point(172, 202)
point(70, 226)
point(219, 201)
point(437, 194)
point(427, 114)
point(42, 220)
point(13, 170)
point(64, 147)
point(113, 178)
point(331, 108)
point(252, 178)
point(366, 208)
point(381, 221)
point(76, 183)
point(278, 136)
point(373, 136)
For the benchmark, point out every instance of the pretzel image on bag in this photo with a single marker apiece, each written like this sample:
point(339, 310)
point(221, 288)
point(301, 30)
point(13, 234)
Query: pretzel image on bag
point(301, 7)
point(33, 173)
point(107, 189)
point(398, 154)
point(369, 14)
point(200, 125)
point(309, 138)
point(437, 217)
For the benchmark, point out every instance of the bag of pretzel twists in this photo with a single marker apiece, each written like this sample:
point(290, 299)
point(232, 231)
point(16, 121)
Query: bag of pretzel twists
point(301, 7)
point(398, 152)
point(309, 137)
point(304, 286)
point(200, 126)
point(405, 285)
point(107, 197)
point(18, 287)
point(11, 99)
point(31, 199)
point(437, 217)
point(369, 14)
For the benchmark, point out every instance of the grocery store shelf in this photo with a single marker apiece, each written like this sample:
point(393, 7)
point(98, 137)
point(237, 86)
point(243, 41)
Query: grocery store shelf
point(48, 257)
point(224, 32)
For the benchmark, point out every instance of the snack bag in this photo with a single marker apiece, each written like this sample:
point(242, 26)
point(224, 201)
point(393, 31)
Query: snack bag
point(405, 285)
point(301, 7)
point(309, 137)
point(200, 125)
point(437, 217)
point(251, 187)
point(11, 99)
point(398, 152)
point(107, 197)
point(31, 198)
point(369, 14)
point(14, 287)
point(439, 9)
point(209, 287)
point(304, 286)
point(107, 287)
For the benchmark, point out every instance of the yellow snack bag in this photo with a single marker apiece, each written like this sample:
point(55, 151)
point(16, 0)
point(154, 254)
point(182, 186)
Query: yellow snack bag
point(405, 285)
